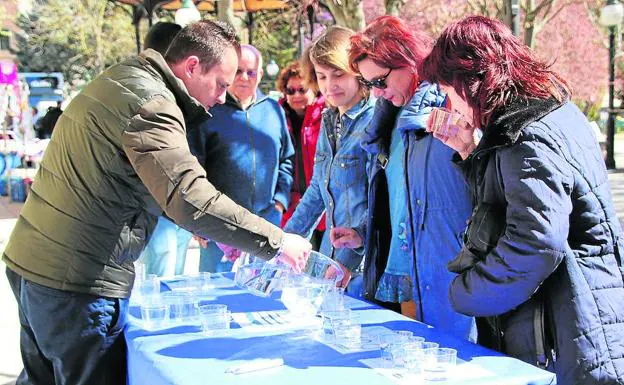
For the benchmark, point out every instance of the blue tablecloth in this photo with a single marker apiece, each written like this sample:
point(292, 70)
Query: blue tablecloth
point(183, 355)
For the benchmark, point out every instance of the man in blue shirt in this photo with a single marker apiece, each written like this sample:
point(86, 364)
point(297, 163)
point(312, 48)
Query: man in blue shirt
point(246, 151)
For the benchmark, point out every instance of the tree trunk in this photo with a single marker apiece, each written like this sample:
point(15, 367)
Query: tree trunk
point(348, 13)
point(393, 7)
point(225, 13)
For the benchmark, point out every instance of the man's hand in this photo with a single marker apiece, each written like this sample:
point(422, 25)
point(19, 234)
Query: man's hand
point(295, 251)
point(345, 237)
point(280, 207)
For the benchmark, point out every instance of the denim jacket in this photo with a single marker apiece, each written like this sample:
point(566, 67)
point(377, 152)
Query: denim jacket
point(339, 184)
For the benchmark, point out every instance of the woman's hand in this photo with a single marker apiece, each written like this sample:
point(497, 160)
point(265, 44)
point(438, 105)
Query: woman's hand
point(229, 252)
point(345, 237)
point(203, 243)
point(454, 131)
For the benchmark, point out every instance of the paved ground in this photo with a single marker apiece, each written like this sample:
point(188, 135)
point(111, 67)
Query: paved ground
point(10, 361)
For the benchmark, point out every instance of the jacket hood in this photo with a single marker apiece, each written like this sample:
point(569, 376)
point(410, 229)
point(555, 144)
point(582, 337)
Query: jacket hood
point(411, 117)
point(507, 123)
point(190, 106)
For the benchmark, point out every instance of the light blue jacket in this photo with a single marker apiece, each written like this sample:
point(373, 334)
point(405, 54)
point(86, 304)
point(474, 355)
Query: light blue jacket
point(339, 184)
point(438, 206)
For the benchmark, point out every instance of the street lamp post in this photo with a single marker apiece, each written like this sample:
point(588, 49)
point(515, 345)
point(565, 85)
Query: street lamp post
point(611, 16)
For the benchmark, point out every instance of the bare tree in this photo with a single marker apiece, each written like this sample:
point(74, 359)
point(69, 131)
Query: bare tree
point(538, 13)
point(393, 7)
point(347, 13)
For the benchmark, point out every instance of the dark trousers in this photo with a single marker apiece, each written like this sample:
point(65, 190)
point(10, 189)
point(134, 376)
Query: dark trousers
point(69, 338)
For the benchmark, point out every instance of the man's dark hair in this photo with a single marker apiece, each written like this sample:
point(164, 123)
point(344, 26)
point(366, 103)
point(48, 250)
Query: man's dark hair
point(206, 39)
point(160, 36)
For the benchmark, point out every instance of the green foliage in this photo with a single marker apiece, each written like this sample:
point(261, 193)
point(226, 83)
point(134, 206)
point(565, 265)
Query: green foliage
point(591, 109)
point(275, 35)
point(77, 37)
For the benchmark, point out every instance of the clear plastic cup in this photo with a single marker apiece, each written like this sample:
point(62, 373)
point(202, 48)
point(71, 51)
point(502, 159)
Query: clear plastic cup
point(334, 299)
point(349, 335)
point(149, 288)
point(335, 318)
point(204, 278)
point(416, 341)
point(214, 320)
point(384, 341)
point(182, 308)
point(429, 345)
point(154, 314)
point(213, 309)
point(438, 363)
point(413, 358)
point(403, 335)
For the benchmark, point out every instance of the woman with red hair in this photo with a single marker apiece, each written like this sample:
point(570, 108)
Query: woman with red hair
point(543, 253)
point(418, 199)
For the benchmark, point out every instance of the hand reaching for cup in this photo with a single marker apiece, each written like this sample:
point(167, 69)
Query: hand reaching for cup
point(229, 252)
point(203, 243)
point(345, 237)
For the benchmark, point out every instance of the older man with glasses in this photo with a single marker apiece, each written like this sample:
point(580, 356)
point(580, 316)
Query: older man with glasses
point(247, 152)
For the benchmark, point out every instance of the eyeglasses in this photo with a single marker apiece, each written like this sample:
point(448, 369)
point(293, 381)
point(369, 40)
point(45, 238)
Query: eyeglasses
point(250, 73)
point(380, 82)
point(292, 91)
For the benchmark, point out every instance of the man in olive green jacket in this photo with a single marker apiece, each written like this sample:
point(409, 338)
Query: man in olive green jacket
point(117, 159)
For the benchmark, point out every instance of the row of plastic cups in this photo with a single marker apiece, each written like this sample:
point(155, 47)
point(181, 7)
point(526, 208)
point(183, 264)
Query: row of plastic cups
point(173, 308)
point(413, 354)
point(193, 284)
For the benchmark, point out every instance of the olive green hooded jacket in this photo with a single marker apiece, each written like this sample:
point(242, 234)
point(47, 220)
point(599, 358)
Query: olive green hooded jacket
point(119, 157)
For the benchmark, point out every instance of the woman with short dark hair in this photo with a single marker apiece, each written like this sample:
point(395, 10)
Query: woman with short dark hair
point(542, 257)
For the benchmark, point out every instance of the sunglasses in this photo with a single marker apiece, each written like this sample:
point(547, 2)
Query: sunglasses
point(250, 73)
point(380, 82)
point(292, 91)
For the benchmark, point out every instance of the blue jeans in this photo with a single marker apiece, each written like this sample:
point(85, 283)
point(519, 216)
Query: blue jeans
point(69, 338)
point(165, 253)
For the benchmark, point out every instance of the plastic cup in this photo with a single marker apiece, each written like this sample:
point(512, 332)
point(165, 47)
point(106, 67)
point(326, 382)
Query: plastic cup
point(214, 319)
point(154, 314)
point(429, 345)
point(349, 336)
point(334, 319)
point(149, 287)
point(384, 341)
point(334, 299)
point(438, 362)
point(413, 358)
point(182, 308)
point(403, 335)
point(204, 278)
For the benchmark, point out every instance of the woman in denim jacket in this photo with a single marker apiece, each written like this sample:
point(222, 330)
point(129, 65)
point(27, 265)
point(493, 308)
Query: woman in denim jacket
point(339, 182)
point(418, 199)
